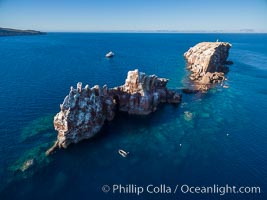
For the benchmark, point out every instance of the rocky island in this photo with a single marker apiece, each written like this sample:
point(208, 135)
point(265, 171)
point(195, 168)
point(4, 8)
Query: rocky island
point(85, 110)
point(16, 32)
point(207, 62)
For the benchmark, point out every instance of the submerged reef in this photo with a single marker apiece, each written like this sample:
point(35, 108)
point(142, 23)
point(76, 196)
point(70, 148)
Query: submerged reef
point(207, 63)
point(85, 110)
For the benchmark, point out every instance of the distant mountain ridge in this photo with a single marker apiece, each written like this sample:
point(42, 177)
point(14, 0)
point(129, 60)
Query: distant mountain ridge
point(16, 32)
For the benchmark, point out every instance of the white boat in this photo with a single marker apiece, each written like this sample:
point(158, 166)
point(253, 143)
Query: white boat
point(123, 153)
point(110, 54)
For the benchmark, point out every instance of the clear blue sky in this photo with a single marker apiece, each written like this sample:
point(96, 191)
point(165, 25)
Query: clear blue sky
point(148, 15)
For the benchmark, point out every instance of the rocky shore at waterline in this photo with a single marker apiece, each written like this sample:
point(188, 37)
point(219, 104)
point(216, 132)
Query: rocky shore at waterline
point(207, 62)
point(85, 110)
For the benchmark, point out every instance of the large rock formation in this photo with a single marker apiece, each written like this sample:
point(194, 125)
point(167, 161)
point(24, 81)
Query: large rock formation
point(207, 62)
point(85, 110)
point(82, 114)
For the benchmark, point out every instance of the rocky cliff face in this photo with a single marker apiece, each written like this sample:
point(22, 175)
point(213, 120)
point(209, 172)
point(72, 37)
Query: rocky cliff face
point(141, 94)
point(207, 62)
point(83, 113)
point(85, 110)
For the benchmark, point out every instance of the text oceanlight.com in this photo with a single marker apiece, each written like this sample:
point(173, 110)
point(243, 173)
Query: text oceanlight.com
point(183, 189)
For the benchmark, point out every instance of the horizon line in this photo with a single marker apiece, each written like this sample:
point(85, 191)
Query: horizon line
point(149, 31)
point(244, 30)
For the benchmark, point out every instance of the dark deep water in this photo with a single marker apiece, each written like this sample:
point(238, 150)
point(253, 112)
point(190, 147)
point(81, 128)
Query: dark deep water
point(37, 72)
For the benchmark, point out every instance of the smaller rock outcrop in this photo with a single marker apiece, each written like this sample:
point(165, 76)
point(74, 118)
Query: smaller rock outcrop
point(141, 93)
point(85, 110)
point(207, 62)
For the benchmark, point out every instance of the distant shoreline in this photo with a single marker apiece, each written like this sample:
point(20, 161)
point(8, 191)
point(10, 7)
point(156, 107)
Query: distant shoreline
point(16, 32)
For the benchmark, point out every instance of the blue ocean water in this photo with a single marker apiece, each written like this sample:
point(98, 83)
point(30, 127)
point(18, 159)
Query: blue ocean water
point(224, 142)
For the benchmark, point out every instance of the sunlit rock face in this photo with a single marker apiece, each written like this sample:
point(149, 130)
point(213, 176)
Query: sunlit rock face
point(207, 62)
point(142, 93)
point(85, 110)
point(83, 113)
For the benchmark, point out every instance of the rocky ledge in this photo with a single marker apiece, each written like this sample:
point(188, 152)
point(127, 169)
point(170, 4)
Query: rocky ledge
point(207, 62)
point(85, 110)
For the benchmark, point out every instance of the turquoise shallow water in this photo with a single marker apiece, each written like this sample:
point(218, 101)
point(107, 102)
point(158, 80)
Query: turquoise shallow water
point(223, 143)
